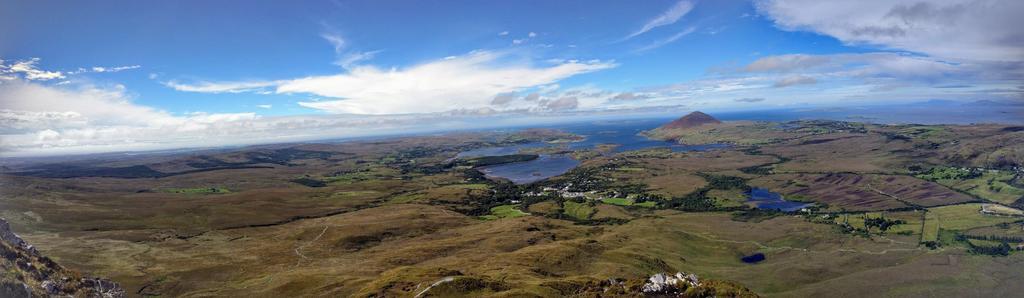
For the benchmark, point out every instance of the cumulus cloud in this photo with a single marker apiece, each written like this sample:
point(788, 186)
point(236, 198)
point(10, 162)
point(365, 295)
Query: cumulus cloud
point(669, 17)
point(953, 29)
point(38, 119)
point(795, 80)
point(469, 81)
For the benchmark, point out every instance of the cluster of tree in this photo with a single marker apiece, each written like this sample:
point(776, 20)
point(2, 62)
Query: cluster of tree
point(1003, 249)
point(310, 182)
point(757, 170)
point(882, 223)
point(999, 238)
point(696, 201)
point(950, 173)
point(699, 201)
point(638, 189)
point(725, 182)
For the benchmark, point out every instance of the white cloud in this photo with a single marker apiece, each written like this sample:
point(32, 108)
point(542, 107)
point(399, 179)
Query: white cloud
point(267, 106)
point(670, 16)
point(532, 35)
point(37, 119)
point(27, 69)
point(470, 81)
point(220, 87)
point(503, 33)
point(951, 29)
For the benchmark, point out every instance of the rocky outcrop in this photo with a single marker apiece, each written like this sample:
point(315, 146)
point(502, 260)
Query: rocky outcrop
point(662, 283)
point(24, 272)
point(689, 285)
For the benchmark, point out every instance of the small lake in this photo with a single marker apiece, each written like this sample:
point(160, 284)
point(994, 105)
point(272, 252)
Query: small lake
point(764, 199)
point(753, 259)
point(543, 167)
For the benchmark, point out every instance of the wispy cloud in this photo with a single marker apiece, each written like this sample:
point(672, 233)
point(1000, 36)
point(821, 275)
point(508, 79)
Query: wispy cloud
point(795, 80)
point(102, 69)
point(670, 39)
point(220, 87)
point(351, 59)
point(670, 16)
point(346, 58)
point(749, 99)
point(335, 40)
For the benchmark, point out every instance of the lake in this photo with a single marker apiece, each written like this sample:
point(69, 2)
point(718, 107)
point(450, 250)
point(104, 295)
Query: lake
point(543, 167)
point(765, 199)
point(622, 133)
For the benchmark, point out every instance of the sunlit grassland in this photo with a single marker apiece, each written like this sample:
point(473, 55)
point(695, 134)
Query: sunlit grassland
point(504, 211)
point(581, 211)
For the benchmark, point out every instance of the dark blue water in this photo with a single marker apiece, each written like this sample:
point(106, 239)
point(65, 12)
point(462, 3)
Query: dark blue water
point(497, 151)
point(764, 199)
point(753, 259)
point(626, 135)
point(544, 167)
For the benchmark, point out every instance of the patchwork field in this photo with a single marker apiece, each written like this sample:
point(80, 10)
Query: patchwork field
point(390, 217)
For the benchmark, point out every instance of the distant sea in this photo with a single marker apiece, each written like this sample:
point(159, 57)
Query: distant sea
point(930, 112)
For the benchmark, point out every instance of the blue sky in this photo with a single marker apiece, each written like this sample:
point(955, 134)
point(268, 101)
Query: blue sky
point(102, 76)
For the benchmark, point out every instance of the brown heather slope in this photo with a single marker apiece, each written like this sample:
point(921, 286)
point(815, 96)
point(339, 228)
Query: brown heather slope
point(691, 120)
point(26, 273)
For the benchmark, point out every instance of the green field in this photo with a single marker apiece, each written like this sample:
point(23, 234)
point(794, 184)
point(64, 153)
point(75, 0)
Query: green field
point(629, 202)
point(930, 228)
point(991, 185)
point(912, 221)
point(578, 210)
point(504, 211)
point(959, 218)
